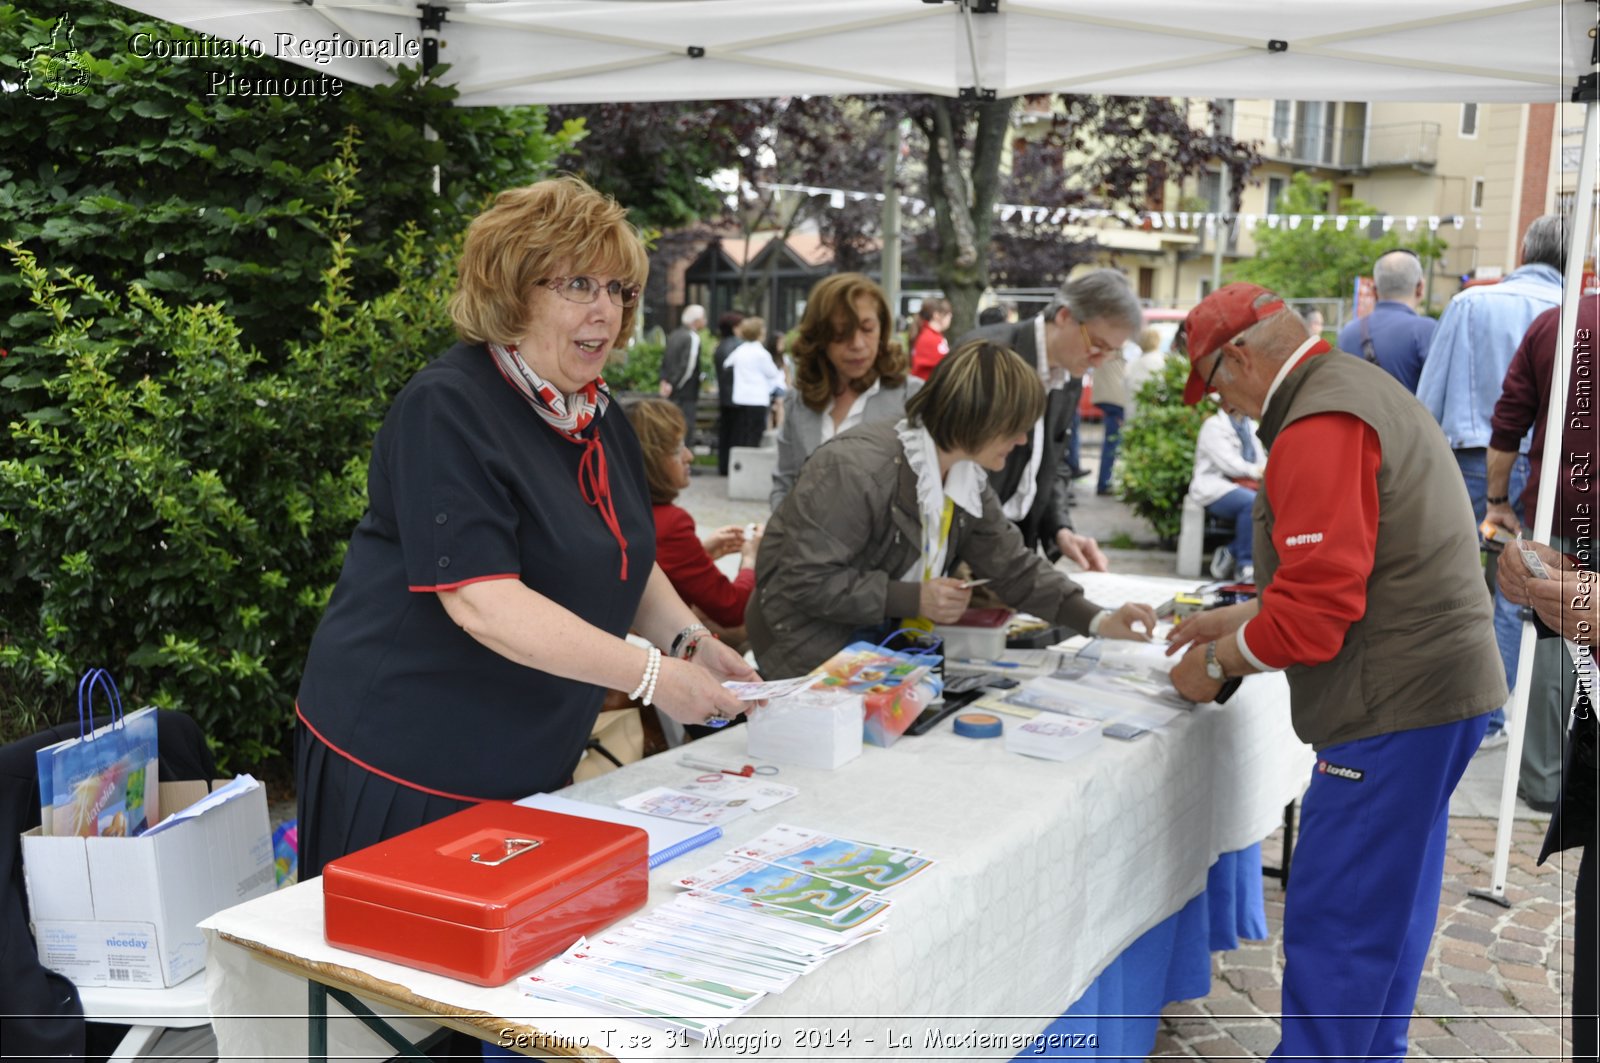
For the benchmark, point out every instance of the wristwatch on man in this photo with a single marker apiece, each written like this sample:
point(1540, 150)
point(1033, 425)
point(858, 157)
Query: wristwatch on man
point(1214, 666)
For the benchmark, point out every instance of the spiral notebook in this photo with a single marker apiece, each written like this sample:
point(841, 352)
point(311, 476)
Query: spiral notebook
point(669, 839)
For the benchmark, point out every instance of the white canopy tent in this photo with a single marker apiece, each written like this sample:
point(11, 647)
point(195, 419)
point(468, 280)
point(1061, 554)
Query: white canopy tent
point(587, 51)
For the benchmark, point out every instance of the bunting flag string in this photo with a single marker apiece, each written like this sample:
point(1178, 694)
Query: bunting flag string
point(1177, 221)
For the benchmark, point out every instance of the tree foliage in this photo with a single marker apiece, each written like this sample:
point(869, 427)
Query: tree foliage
point(958, 157)
point(1157, 449)
point(144, 177)
point(1300, 259)
point(184, 528)
point(656, 158)
point(1077, 151)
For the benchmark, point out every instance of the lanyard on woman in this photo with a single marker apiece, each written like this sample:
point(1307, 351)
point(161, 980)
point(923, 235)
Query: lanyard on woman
point(932, 549)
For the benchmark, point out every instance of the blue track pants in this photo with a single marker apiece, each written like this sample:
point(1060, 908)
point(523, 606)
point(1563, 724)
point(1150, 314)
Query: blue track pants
point(1364, 894)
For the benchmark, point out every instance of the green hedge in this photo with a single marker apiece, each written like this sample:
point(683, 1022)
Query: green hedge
point(1156, 454)
point(184, 526)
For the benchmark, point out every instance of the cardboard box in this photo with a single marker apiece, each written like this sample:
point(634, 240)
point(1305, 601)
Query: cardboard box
point(122, 911)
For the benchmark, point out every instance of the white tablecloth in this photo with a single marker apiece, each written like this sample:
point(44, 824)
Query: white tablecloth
point(1047, 871)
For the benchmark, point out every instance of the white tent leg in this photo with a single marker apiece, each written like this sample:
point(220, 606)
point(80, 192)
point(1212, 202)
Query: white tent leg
point(1555, 420)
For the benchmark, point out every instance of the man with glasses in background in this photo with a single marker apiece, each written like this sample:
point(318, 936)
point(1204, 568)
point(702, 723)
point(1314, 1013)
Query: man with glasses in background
point(1087, 319)
point(1383, 628)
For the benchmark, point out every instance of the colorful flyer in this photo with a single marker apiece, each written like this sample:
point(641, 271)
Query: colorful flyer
point(842, 905)
point(841, 860)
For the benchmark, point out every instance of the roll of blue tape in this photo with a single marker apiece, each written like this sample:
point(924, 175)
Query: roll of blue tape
point(978, 725)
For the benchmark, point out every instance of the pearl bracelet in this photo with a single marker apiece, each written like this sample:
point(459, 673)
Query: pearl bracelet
point(650, 693)
point(652, 668)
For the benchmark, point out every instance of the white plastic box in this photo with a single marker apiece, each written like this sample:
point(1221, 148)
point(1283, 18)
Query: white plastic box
point(122, 911)
point(808, 729)
point(750, 472)
point(965, 641)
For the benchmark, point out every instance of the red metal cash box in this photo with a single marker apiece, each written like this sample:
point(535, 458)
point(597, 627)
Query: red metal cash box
point(486, 894)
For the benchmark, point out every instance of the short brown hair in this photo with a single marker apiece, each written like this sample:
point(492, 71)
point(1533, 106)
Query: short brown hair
point(751, 329)
point(660, 427)
point(979, 393)
point(529, 235)
point(830, 317)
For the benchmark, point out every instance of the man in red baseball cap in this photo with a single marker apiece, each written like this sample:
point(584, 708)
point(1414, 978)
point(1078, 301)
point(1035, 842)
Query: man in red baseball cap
point(1220, 317)
point(1385, 631)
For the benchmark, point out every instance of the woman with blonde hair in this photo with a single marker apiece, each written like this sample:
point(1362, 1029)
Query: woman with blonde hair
point(506, 550)
point(688, 560)
point(881, 515)
point(847, 372)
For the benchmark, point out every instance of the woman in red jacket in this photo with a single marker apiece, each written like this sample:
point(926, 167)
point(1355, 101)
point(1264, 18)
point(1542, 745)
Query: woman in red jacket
point(686, 559)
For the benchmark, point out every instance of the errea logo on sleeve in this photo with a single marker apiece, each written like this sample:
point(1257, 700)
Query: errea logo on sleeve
point(1304, 539)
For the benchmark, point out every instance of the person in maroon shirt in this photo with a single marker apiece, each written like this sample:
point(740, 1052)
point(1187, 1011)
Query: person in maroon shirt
point(1523, 404)
point(688, 560)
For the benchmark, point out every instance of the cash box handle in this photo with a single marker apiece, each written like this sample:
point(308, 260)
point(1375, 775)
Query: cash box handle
point(515, 847)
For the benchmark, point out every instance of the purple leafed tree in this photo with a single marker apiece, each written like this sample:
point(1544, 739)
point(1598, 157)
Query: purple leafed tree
point(961, 157)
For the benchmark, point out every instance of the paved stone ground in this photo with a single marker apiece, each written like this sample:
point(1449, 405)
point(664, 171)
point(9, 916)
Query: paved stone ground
point(1494, 982)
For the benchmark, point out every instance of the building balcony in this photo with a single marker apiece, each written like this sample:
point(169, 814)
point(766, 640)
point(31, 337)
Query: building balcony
point(1342, 147)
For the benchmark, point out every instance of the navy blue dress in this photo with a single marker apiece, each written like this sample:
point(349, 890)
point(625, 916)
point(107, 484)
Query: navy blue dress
point(466, 484)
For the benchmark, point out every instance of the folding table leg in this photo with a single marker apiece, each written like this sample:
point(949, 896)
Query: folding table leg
point(317, 1022)
point(1281, 872)
point(377, 1025)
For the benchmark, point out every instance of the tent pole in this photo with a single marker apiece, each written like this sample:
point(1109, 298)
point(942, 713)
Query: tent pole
point(1579, 224)
point(429, 21)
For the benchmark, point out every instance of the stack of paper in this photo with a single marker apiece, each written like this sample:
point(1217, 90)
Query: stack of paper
point(1103, 704)
point(693, 989)
point(747, 926)
point(1054, 736)
point(1017, 664)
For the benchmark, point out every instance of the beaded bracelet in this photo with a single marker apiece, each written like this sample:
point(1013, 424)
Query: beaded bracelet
point(694, 645)
point(652, 668)
point(682, 646)
point(650, 693)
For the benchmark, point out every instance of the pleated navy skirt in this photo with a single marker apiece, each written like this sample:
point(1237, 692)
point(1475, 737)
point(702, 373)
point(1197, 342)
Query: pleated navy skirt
point(343, 807)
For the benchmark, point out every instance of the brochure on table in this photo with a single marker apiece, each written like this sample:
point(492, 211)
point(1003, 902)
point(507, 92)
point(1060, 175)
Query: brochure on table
point(746, 927)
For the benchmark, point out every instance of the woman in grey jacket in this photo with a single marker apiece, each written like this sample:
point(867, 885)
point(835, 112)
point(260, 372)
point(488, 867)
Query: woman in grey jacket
point(880, 516)
point(846, 372)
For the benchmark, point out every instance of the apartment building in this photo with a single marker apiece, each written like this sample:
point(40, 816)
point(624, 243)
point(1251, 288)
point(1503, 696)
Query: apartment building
point(1480, 173)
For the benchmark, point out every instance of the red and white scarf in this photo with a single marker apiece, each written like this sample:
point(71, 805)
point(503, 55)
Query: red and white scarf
point(570, 416)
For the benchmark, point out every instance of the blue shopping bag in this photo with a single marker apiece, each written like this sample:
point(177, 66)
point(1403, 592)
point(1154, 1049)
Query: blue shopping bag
point(103, 782)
